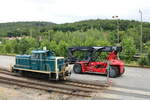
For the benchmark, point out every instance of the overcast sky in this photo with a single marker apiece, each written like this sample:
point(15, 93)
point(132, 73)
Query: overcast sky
point(64, 11)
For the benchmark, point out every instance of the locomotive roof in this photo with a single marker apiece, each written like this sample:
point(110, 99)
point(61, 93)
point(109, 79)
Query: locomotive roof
point(40, 51)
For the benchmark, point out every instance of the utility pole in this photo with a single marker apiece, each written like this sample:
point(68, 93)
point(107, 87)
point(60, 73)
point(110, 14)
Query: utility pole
point(31, 33)
point(141, 38)
point(118, 37)
point(49, 33)
point(116, 17)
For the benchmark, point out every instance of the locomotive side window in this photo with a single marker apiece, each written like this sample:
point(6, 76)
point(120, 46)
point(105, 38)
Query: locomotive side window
point(34, 56)
point(42, 55)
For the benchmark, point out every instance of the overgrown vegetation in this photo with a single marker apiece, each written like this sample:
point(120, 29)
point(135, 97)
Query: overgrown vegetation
point(145, 59)
point(36, 35)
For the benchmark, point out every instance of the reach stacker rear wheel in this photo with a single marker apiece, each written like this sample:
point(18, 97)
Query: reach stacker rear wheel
point(114, 72)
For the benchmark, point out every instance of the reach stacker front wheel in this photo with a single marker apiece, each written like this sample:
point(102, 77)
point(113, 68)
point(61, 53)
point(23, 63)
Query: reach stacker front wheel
point(77, 68)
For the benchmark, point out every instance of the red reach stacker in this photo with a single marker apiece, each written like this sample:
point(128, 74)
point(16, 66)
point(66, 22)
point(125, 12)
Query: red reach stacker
point(92, 61)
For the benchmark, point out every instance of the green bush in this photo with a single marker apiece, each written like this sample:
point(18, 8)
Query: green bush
point(129, 49)
point(143, 60)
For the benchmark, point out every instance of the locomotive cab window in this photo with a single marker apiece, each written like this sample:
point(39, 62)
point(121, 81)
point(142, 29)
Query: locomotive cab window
point(42, 55)
point(35, 56)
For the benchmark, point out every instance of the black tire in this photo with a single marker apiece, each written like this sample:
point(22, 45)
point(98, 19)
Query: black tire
point(77, 68)
point(114, 72)
point(123, 71)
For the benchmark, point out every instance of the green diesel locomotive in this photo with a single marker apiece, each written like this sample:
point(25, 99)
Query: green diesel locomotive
point(44, 62)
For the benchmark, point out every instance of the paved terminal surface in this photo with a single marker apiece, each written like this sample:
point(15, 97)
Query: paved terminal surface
point(133, 85)
point(6, 61)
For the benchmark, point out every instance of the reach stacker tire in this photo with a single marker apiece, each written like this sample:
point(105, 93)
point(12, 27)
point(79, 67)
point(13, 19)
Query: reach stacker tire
point(77, 68)
point(114, 72)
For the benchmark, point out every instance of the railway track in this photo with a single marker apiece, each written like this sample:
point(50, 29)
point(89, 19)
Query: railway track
point(44, 87)
point(67, 82)
point(67, 87)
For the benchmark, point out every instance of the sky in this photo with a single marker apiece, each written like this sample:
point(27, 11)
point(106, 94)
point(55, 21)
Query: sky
point(67, 11)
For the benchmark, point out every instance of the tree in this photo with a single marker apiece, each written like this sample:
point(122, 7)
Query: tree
point(129, 49)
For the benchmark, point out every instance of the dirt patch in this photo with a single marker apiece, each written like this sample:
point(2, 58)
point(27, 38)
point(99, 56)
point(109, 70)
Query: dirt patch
point(11, 92)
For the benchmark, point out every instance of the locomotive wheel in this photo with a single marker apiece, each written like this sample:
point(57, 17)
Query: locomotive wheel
point(114, 72)
point(77, 68)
